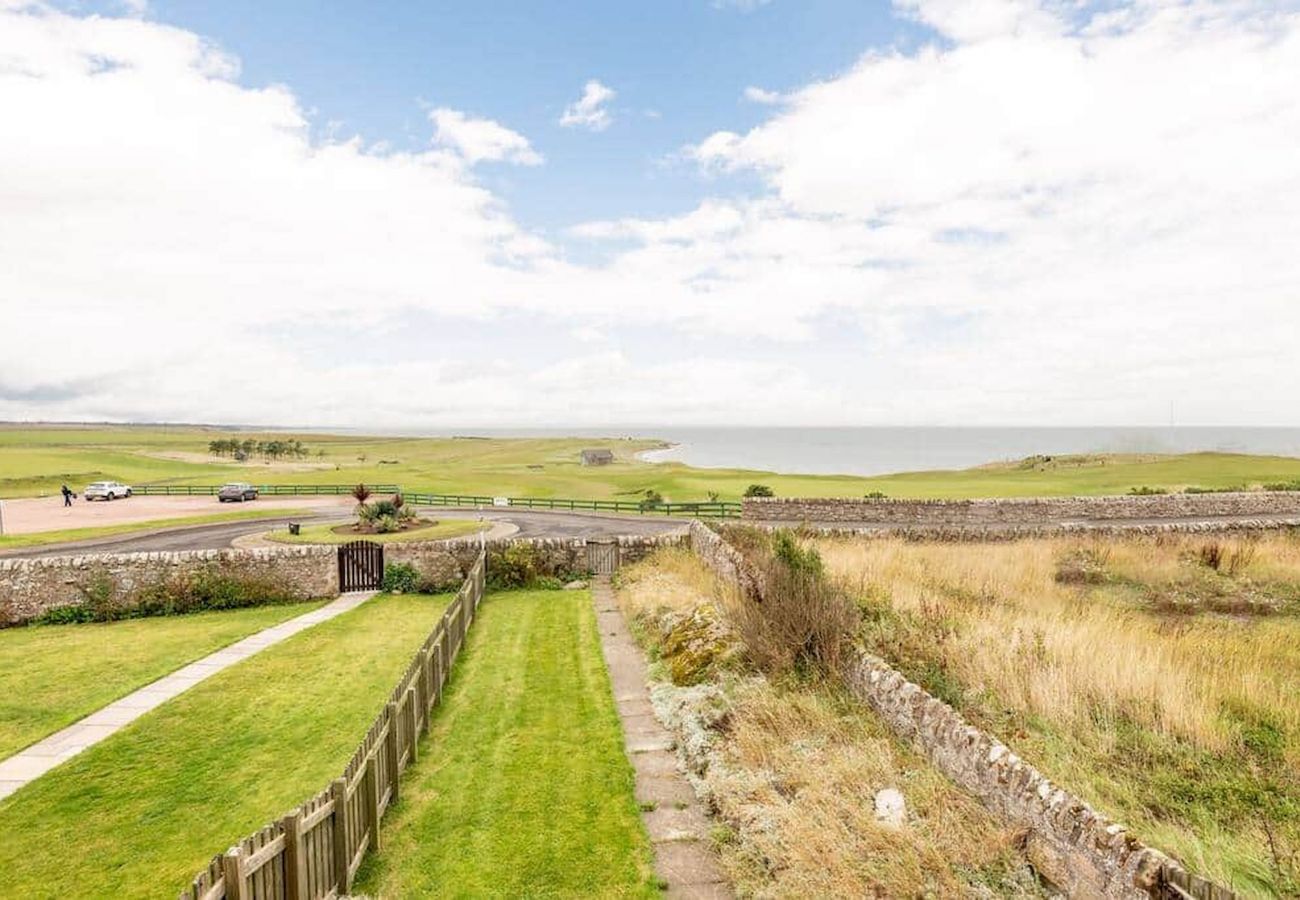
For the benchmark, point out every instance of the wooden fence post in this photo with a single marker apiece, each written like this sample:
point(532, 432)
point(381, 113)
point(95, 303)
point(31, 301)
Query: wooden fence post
point(438, 679)
point(424, 693)
point(392, 748)
point(339, 791)
point(413, 732)
point(295, 863)
point(232, 871)
point(372, 798)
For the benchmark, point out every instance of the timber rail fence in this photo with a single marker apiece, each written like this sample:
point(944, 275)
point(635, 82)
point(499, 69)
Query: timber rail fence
point(709, 509)
point(314, 851)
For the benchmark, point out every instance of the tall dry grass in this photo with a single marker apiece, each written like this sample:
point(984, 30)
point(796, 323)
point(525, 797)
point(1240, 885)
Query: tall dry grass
point(1165, 690)
point(1077, 656)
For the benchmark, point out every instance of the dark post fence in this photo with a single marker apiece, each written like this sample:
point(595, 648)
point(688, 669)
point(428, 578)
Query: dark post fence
point(707, 509)
point(315, 850)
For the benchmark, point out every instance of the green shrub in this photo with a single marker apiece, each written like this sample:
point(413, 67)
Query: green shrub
point(430, 585)
point(1195, 489)
point(515, 567)
point(1283, 486)
point(759, 490)
point(401, 578)
point(652, 499)
point(1145, 491)
point(74, 614)
point(799, 560)
point(875, 495)
point(547, 583)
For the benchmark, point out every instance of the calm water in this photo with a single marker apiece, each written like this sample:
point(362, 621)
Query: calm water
point(876, 451)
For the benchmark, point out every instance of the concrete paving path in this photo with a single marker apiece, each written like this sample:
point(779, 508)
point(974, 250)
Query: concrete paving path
point(42, 756)
point(677, 824)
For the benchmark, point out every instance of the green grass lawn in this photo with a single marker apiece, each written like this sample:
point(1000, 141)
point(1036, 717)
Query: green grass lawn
point(140, 813)
point(325, 534)
point(525, 790)
point(53, 675)
point(38, 460)
point(13, 541)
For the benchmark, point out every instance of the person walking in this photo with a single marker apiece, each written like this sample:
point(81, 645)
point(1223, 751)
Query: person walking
point(67, 496)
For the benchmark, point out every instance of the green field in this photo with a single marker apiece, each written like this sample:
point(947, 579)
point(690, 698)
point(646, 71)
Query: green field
point(53, 675)
point(325, 534)
point(14, 541)
point(140, 813)
point(36, 460)
point(525, 790)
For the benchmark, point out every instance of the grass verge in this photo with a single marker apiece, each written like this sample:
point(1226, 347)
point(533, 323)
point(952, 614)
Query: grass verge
point(53, 675)
point(140, 813)
point(325, 534)
point(525, 790)
point(15, 541)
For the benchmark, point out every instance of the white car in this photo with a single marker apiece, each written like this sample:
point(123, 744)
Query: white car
point(107, 490)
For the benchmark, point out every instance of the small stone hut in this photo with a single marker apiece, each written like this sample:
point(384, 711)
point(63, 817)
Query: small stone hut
point(597, 457)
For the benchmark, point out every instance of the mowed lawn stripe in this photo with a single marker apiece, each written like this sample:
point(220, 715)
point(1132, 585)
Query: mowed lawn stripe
point(139, 814)
point(524, 788)
point(53, 675)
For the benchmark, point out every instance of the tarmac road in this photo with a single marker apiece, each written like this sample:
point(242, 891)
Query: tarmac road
point(531, 524)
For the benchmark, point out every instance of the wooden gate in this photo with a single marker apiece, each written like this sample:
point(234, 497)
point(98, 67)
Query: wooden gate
point(361, 566)
point(602, 557)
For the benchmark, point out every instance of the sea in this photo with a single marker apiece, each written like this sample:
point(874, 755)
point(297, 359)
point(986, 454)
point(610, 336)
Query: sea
point(882, 450)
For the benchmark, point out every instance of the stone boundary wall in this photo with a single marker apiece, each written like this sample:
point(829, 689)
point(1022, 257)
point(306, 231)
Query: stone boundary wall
point(1024, 510)
point(449, 561)
point(1077, 849)
point(30, 587)
point(994, 534)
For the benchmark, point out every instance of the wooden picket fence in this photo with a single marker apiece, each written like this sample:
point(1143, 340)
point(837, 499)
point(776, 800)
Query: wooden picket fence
point(314, 851)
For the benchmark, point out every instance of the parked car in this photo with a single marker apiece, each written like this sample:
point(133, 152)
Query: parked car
point(107, 490)
point(237, 492)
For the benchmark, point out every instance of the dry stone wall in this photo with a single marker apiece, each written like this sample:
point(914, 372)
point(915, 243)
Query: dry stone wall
point(1077, 849)
point(448, 561)
point(996, 533)
point(1026, 510)
point(30, 587)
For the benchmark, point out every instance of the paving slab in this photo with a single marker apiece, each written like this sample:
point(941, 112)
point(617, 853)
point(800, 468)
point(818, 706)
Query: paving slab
point(673, 817)
point(39, 758)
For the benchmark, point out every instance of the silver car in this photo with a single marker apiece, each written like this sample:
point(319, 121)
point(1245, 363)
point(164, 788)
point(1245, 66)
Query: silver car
point(107, 490)
point(237, 492)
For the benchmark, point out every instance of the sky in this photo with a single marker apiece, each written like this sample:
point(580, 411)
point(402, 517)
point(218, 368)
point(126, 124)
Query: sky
point(691, 212)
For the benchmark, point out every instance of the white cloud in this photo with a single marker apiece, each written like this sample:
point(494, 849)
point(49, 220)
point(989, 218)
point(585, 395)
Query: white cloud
point(764, 97)
point(590, 110)
point(1042, 218)
point(481, 139)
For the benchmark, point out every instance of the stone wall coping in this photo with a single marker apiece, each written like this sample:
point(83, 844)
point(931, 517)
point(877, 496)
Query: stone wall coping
point(1006, 501)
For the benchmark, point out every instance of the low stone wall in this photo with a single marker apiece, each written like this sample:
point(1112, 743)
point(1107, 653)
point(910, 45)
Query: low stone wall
point(997, 533)
point(448, 561)
point(30, 587)
point(1077, 849)
point(1027, 510)
point(726, 561)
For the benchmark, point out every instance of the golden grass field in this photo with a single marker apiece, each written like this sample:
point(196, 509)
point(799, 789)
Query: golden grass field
point(1162, 690)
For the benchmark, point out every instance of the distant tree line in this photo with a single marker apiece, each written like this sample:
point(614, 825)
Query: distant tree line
point(248, 448)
